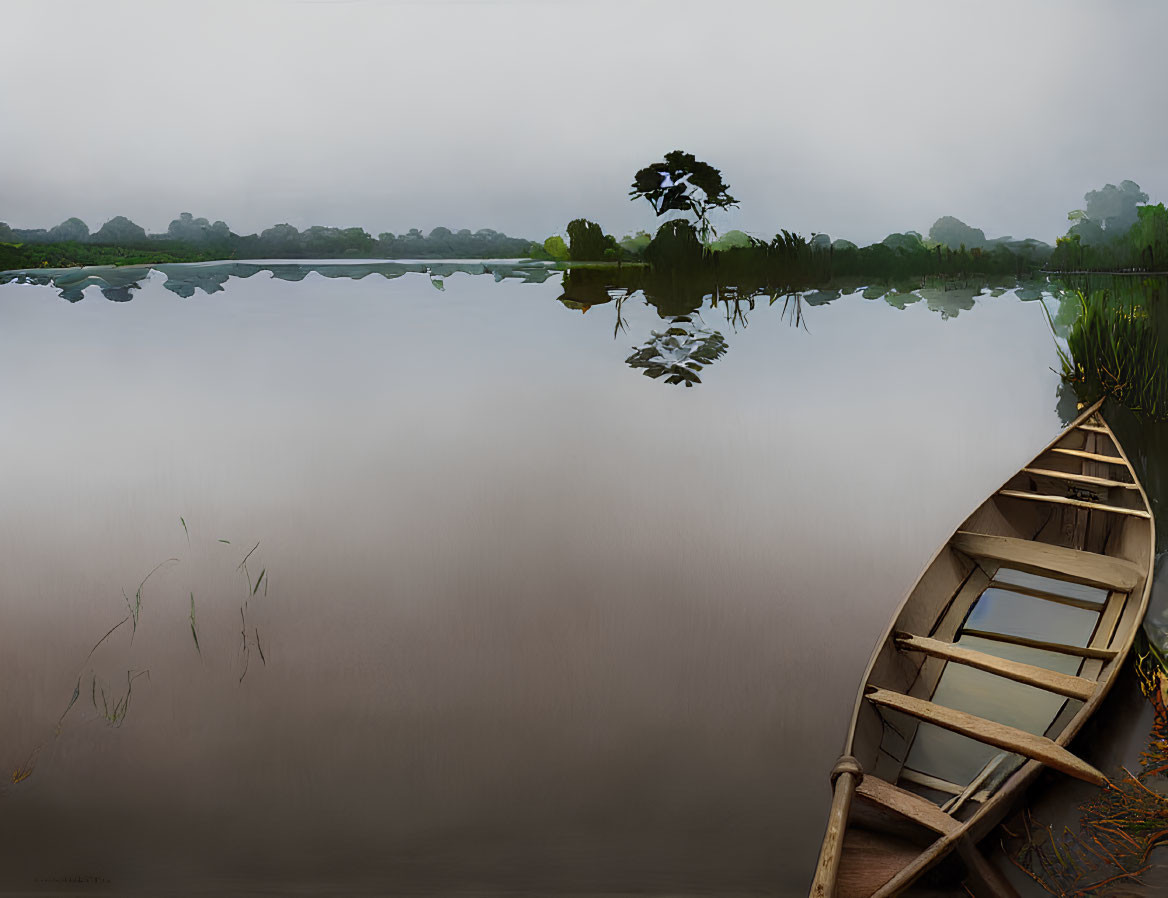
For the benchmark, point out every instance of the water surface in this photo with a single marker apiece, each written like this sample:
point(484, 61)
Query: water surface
point(530, 621)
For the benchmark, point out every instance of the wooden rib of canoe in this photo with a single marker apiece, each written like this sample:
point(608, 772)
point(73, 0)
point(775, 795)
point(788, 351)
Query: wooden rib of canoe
point(1077, 517)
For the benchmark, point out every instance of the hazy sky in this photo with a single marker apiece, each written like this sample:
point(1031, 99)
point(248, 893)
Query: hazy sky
point(855, 119)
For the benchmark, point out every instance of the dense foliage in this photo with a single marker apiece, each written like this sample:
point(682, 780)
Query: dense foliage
point(682, 183)
point(1142, 246)
point(69, 255)
point(188, 239)
point(1118, 344)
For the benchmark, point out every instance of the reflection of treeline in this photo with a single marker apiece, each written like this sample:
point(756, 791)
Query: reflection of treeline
point(681, 291)
point(118, 283)
point(679, 278)
point(190, 239)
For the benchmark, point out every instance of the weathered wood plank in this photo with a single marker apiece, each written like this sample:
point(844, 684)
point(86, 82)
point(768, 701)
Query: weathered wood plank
point(939, 785)
point(827, 870)
point(1081, 478)
point(1070, 601)
point(907, 804)
point(1091, 456)
point(1075, 503)
point(1053, 561)
point(1061, 648)
point(1031, 675)
point(1105, 629)
point(954, 804)
point(989, 732)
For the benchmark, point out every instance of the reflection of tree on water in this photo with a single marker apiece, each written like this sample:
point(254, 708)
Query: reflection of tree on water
point(184, 279)
point(681, 351)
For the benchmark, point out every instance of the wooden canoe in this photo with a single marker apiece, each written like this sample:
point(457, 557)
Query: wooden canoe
point(1006, 644)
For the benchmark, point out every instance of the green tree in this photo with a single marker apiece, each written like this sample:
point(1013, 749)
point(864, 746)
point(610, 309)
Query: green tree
point(120, 231)
point(71, 229)
point(1110, 211)
point(954, 233)
point(683, 184)
point(587, 242)
point(555, 247)
point(676, 246)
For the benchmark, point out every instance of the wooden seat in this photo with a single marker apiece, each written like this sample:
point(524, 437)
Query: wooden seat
point(905, 803)
point(1053, 561)
point(988, 732)
point(1077, 503)
point(1049, 680)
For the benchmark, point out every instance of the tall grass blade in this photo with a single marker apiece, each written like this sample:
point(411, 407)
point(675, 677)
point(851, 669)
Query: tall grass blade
point(247, 556)
point(108, 633)
point(72, 702)
point(194, 630)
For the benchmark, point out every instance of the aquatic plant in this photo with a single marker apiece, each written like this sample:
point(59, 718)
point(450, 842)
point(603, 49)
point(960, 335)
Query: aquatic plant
point(245, 642)
point(1117, 347)
point(111, 703)
point(113, 707)
point(1118, 826)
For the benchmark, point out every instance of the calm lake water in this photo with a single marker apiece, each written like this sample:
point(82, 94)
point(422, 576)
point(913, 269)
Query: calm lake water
point(528, 620)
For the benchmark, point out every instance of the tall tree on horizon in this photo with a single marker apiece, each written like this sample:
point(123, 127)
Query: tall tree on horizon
point(683, 183)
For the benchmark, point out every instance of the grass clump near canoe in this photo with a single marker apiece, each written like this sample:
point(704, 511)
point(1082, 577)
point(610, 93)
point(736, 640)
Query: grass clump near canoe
point(1118, 347)
point(1118, 827)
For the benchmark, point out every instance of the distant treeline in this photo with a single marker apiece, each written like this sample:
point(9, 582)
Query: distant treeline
point(189, 239)
point(952, 249)
point(1114, 232)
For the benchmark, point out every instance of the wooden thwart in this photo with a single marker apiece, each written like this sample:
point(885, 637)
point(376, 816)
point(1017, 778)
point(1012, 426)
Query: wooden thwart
point(989, 732)
point(1060, 647)
point(1052, 561)
point(1040, 677)
point(1090, 456)
point(907, 804)
point(907, 774)
point(1070, 601)
point(1095, 428)
point(1081, 478)
point(1077, 503)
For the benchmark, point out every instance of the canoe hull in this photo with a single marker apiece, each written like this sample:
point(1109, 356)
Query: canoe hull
point(1070, 534)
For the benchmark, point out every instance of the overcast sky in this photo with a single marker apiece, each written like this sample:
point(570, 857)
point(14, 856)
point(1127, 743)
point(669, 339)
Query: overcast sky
point(852, 119)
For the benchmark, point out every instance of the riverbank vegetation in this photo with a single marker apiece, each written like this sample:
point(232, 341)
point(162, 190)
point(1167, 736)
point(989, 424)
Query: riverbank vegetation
point(1115, 230)
point(1117, 345)
point(188, 239)
point(1119, 826)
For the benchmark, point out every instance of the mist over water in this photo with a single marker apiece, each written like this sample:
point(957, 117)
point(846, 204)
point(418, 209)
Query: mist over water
point(531, 622)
